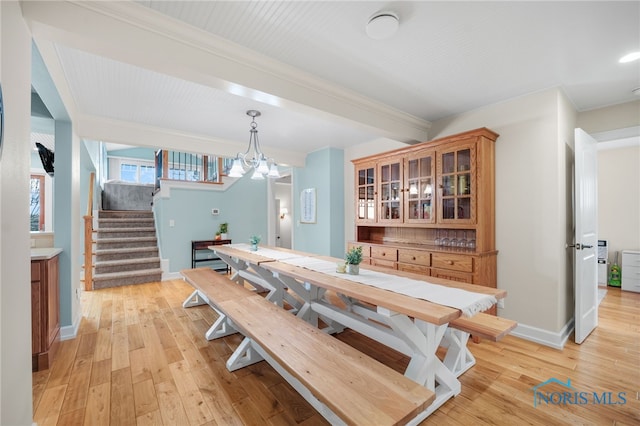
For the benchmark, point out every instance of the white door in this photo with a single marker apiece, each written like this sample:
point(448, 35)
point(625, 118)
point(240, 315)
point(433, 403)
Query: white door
point(586, 235)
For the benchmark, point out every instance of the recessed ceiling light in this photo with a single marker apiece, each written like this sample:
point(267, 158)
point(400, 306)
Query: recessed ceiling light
point(382, 25)
point(633, 56)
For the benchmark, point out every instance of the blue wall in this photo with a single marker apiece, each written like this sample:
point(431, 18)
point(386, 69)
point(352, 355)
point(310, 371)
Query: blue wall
point(242, 206)
point(138, 152)
point(324, 171)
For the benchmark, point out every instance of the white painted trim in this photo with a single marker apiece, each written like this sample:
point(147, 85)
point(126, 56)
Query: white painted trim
point(555, 340)
point(71, 331)
point(166, 276)
point(101, 27)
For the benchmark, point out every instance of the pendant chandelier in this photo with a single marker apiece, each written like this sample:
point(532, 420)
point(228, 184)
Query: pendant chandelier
point(253, 157)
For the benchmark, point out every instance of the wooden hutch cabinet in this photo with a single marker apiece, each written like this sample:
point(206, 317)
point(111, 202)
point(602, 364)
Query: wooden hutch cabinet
point(412, 200)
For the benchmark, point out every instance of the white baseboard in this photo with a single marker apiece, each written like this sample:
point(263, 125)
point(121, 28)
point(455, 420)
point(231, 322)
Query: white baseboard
point(171, 276)
point(69, 332)
point(556, 340)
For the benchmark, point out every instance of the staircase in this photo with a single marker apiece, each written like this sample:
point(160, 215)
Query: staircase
point(126, 249)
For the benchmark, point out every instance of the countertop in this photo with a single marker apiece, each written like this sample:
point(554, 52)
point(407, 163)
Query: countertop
point(44, 253)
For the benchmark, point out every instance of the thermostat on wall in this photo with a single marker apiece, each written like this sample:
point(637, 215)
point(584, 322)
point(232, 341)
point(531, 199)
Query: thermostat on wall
point(215, 212)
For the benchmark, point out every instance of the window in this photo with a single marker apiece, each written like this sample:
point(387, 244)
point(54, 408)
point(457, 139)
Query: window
point(131, 170)
point(36, 205)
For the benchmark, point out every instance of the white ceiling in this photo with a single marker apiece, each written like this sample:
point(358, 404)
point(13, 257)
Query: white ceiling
point(183, 73)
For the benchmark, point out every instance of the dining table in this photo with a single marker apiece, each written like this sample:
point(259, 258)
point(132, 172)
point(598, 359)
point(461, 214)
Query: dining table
point(407, 312)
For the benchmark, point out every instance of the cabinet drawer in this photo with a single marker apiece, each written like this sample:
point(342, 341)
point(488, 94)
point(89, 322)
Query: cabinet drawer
point(451, 275)
point(630, 260)
point(456, 262)
point(631, 272)
point(416, 269)
point(384, 263)
point(631, 284)
point(416, 257)
point(385, 253)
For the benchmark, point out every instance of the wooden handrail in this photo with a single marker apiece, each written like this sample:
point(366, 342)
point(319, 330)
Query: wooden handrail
point(88, 238)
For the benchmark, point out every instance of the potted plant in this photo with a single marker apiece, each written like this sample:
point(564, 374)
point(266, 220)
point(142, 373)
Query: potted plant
point(222, 230)
point(254, 240)
point(353, 258)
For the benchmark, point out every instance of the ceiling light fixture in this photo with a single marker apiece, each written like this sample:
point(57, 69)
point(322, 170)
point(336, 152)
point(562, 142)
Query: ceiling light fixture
point(382, 25)
point(262, 166)
point(630, 57)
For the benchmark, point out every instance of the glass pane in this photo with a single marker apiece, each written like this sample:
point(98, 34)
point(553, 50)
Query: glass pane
point(464, 160)
point(361, 209)
point(384, 171)
point(395, 171)
point(129, 172)
point(147, 174)
point(448, 161)
point(413, 189)
point(464, 184)
point(370, 176)
point(34, 207)
point(385, 212)
point(413, 169)
point(414, 212)
point(385, 192)
point(425, 167)
point(395, 191)
point(464, 208)
point(448, 185)
point(448, 208)
point(370, 193)
point(426, 209)
point(362, 177)
point(426, 188)
point(395, 210)
point(370, 210)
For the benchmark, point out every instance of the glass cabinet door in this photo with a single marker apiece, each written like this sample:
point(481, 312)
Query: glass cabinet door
point(419, 191)
point(456, 175)
point(365, 193)
point(390, 192)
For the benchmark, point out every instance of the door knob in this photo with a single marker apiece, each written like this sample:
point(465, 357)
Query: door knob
point(578, 246)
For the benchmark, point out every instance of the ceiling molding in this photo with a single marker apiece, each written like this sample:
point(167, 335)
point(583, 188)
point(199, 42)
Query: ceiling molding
point(121, 30)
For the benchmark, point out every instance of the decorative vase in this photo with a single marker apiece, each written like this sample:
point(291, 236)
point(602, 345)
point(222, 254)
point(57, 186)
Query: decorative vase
point(254, 247)
point(224, 236)
point(353, 269)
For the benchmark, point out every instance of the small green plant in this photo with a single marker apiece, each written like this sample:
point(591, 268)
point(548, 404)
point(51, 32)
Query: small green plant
point(354, 256)
point(255, 239)
point(224, 227)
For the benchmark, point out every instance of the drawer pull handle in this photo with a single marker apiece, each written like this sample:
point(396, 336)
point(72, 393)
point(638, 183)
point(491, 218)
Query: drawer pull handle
point(413, 258)
point(450, 262)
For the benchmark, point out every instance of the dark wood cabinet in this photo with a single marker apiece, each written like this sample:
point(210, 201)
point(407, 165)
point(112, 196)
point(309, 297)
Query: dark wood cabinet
point(45, 312)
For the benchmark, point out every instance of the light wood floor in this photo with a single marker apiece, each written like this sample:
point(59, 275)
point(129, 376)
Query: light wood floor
point(140, 358)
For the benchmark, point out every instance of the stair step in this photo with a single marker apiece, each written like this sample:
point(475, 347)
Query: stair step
point(102, 243)
point(105, 255)
point(117, 279)
point(125, 223)
point(102, 214)
point(127, 264)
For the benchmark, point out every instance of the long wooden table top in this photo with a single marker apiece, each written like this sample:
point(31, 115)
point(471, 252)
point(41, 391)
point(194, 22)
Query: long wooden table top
point(414, 307)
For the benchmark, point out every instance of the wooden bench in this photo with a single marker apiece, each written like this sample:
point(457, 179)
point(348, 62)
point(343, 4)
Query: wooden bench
point(343, 384)
point(212, 288)
point(486, 326)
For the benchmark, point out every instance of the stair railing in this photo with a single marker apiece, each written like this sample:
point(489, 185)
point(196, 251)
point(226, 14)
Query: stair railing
point(88, 238)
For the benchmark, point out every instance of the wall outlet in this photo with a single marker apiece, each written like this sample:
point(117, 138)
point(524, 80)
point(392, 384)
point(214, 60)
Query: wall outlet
point(215, 212)
point(172, 223)
point(78, 293)
point(33, 242)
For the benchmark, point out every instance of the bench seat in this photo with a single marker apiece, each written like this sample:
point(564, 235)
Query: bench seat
point(483, 325)
point(343, 384)
point(355, 387)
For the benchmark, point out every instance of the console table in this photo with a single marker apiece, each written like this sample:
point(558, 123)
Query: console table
point(200, 253)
